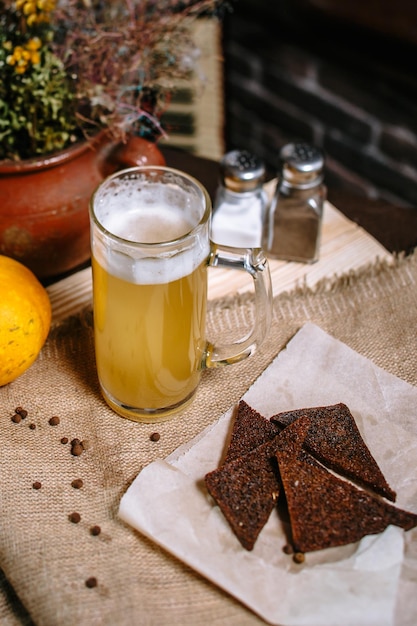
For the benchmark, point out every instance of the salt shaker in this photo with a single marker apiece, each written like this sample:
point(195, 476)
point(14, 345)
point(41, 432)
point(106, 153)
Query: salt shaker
point(240, 202)
point(292, 226)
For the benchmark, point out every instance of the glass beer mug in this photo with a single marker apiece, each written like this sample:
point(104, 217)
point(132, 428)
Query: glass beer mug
point(150, 253)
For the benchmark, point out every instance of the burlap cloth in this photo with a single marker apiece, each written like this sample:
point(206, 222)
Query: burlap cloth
point(46, 559)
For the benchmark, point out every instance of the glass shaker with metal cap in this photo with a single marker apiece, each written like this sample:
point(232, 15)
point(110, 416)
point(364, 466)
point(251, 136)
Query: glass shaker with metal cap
point(240, 203)
point(292, 226)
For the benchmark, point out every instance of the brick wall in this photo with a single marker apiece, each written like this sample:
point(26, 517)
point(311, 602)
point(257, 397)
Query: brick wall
point(349, 91)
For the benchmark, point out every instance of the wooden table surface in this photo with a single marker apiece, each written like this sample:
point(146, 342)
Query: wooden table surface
point(373, 230)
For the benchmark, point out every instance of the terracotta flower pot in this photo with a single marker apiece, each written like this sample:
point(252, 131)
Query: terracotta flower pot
point(44, 219)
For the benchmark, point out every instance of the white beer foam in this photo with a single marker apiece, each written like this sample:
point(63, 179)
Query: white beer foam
point(153, 222)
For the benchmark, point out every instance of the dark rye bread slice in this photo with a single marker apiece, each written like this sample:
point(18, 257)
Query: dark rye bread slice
point(250, 430)
point(334, 439)
point(246, 490)
point(326, 511)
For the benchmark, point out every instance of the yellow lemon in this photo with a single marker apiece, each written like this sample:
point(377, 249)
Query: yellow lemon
point(25, 318)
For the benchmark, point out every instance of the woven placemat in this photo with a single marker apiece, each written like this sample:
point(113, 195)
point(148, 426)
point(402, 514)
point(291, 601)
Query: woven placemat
point(47, 559)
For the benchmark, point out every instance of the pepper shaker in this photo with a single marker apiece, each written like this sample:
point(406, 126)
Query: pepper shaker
point(292, 226)
point(240, 202)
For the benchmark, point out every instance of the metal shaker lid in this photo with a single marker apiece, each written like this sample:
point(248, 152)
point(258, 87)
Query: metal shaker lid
point(301, 165)
point(241, 171)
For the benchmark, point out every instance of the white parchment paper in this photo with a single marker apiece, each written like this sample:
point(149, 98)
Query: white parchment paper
point(355, 585)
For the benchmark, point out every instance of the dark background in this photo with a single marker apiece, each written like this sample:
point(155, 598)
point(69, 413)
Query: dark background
point(340, 74)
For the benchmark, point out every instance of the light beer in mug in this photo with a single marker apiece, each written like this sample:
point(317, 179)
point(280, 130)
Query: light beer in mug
point(150, 314)
point(151, 248)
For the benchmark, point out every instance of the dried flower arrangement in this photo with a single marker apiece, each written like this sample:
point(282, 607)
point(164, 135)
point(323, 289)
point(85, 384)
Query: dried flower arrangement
point(71, 67)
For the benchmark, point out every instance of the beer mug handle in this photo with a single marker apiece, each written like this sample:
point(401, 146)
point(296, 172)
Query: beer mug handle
point(253, 261)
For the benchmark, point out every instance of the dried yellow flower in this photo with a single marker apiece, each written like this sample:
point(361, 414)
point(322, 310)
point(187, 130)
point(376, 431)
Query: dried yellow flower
point(34, 44)
point(24, 56)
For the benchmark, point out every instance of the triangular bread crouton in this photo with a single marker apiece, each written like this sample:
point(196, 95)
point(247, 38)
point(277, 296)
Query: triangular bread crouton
point(326, 511)
point(246, 490)
point(334, 439)
point(250, 430)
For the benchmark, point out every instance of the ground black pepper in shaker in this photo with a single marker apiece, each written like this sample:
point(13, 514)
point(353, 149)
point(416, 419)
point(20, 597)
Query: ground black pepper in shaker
point(292, 227)
point(240, 203)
